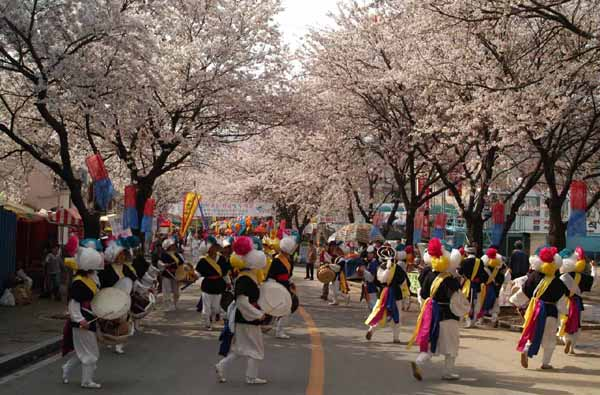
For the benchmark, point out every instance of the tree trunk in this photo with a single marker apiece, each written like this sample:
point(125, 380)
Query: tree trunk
point(474, 225)
point(350, 209)
point(557, 233)
point(90, 219)
point(410, 226)
point(144, 192)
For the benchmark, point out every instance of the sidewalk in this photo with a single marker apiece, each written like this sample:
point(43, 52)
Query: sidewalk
point(29, 332)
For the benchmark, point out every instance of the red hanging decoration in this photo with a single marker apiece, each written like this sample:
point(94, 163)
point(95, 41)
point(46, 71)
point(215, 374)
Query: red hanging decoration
point(578, 195)
point(420, 220)
point(130, 196)
point(149, 207)
point(96, 167)
point(498, 213)
point(440, 221)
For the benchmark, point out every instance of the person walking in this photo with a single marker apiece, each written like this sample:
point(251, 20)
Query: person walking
point(311, 259)
point(53, 270)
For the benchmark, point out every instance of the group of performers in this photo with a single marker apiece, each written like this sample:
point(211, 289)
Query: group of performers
point(457, 284)
point(454, 285)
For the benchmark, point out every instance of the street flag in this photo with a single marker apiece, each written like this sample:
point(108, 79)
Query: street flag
point(190, 205)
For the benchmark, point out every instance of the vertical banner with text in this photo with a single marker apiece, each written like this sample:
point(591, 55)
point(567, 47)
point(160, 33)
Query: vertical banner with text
point(190, 205)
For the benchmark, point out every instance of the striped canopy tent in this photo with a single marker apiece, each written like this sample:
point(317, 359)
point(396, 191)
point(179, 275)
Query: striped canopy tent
point(65, 217)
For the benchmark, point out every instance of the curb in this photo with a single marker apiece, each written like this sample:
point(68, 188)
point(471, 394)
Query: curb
point(17, 360)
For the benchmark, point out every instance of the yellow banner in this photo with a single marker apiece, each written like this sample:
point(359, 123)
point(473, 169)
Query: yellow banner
point(190, 205)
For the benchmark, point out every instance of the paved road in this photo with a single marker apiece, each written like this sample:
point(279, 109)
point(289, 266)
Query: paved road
point(175, 356)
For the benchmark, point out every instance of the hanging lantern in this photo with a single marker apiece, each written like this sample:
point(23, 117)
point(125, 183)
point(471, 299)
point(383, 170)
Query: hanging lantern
point(103, 187)
point(130, 214)
point(146, 225)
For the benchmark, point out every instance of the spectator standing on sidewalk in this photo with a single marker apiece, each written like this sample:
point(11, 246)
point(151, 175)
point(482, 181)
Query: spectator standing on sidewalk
point(311, 259)
point(53, 270)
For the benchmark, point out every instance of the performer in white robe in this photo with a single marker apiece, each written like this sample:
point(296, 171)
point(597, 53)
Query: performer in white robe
point(443, 305)
point(80, 330)
point(245, 320)
point(578, 278)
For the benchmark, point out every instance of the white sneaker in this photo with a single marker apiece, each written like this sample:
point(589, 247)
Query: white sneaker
point(220, 373)
point(255, 381)
point(333, 303)
point(282, 336)
point(119, 349)
point(91, 385)
point(65, 379)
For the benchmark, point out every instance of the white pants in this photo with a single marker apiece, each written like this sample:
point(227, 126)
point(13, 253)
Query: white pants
point(424, 358)
point(211, 306)
point(251, 368)
point(372, 300)
point(170, 289)
point(475, 307)
point(334, 290)
point(395, 327)
point(86, 354)
point(548, 340)
point(573, 338)
point(280, 326)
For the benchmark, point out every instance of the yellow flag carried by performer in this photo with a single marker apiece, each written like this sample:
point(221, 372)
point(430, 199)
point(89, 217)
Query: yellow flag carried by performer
point(190, 205)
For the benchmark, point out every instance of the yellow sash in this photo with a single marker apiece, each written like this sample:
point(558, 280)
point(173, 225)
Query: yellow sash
point(283, 259)
point(130, 266)
point(214, 265)
point(91, 284)
point(252, 274)
point(391, 276)
point(466, 289)
point(493, 275)
point(433, 291)
point(545, 283)
point(564, 317)
point(175, 258)
point(118, 269)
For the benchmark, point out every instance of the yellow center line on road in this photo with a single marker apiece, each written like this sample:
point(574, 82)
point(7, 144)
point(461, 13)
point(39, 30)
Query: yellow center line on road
point(316, 378)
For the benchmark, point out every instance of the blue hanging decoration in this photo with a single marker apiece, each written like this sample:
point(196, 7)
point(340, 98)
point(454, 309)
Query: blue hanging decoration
point(103, 187)
point(130, 214)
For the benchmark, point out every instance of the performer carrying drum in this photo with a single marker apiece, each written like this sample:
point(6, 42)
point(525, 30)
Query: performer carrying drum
point(116, 269)
point(246, 326)
point(215, 272)
point(171, 260)
point(281, 271)
point(80, 329)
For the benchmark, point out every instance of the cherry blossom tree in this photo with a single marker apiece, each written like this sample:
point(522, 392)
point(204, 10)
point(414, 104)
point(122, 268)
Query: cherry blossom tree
point(58, 63)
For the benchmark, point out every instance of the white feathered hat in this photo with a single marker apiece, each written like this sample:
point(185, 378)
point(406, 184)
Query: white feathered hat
point(89, 259)
point(287, 245)
point(112, 252)
point(548, 255)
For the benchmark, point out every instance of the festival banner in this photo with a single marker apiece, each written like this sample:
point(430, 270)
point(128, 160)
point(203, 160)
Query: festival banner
point(190, 205)
point(497, 223)
point(439, 226)
point(577, 226)
point(419, 224)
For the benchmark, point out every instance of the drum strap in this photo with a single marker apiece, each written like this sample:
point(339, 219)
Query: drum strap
point(91, 284)
point(214, 265)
